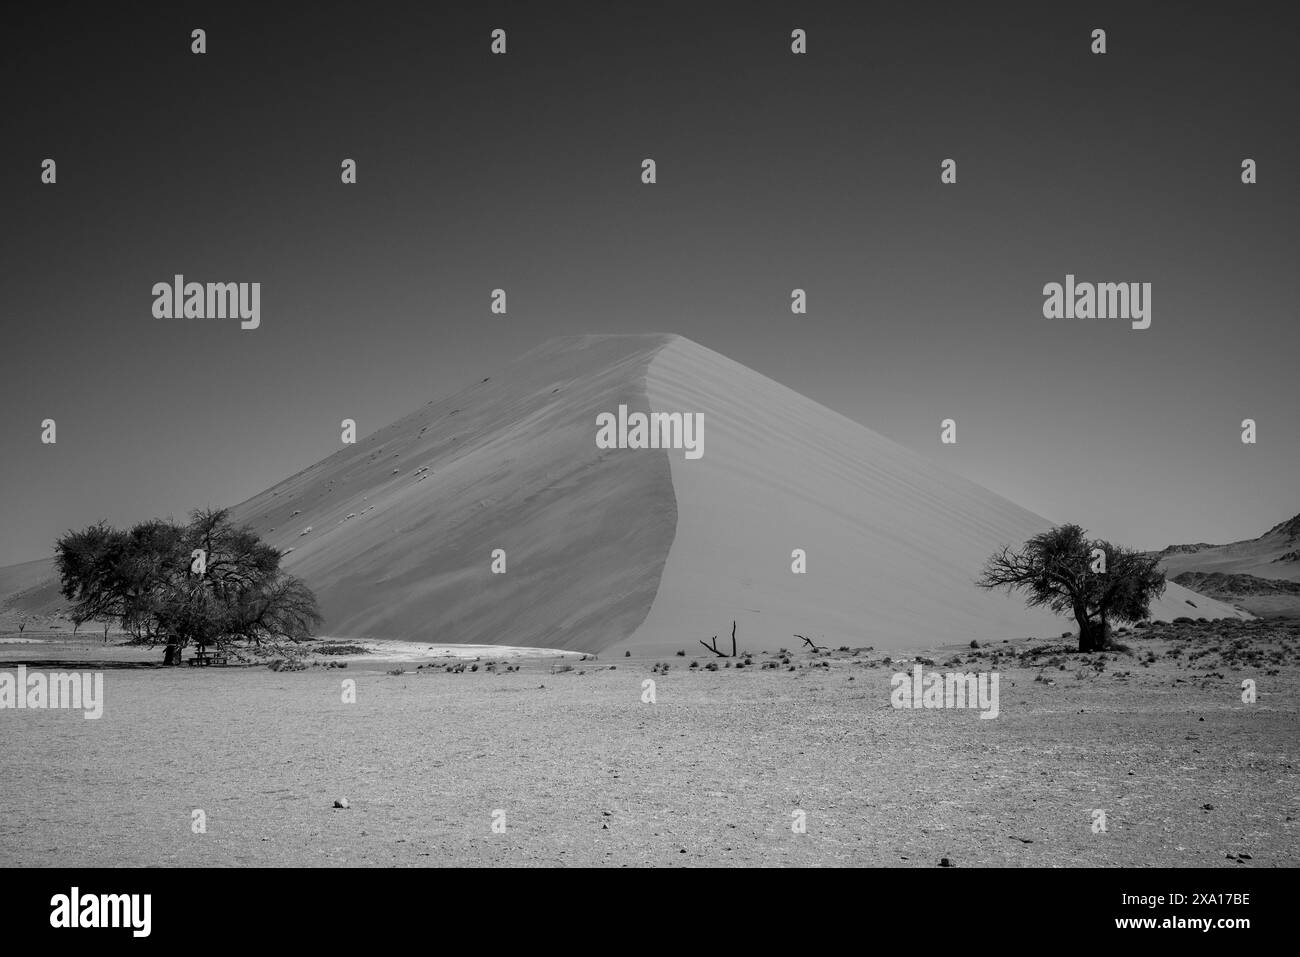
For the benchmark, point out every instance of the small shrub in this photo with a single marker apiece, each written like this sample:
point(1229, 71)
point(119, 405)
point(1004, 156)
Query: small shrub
point(340, 650)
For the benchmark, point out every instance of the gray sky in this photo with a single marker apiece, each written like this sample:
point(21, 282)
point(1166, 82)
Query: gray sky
point(775, 171)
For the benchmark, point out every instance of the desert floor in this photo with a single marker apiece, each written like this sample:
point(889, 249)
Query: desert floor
point(587, 773)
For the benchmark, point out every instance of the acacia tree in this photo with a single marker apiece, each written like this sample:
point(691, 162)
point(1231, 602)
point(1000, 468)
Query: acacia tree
point(88, 563)
point(206, 583)
point(1096, 581)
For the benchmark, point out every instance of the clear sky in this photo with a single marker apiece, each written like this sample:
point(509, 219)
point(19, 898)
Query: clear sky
point(775, 171)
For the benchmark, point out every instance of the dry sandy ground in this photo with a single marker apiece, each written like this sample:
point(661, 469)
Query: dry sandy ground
point(588, 774)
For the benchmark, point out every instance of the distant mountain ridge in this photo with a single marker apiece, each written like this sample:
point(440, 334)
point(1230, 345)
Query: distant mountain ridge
point(1260, 575)
point(1277, 547)
point(1230, 587)
point(1290, 529)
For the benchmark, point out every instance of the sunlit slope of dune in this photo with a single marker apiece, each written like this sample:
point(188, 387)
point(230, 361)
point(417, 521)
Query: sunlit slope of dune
point(893, 541)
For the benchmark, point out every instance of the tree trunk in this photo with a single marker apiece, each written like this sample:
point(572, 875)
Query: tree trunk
point(172, 655)
point(1092, 635)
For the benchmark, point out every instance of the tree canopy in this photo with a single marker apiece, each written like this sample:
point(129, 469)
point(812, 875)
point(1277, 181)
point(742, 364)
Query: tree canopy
point(208, 583)
point(1063, 570)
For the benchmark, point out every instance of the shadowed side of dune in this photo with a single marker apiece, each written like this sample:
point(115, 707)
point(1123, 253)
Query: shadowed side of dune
point(510, 464)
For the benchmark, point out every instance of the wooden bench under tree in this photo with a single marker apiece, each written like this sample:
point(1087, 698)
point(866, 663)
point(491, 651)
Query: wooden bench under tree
point(201, 657)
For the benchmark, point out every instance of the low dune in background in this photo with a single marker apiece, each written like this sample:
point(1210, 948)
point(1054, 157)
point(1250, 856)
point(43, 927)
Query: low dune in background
point(1274, 555)
point(643, 550)
point(1258, 574)
point(30, 587)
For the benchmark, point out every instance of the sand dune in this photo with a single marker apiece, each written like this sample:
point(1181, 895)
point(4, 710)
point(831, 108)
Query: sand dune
point(509, 463)
point(29, 588)
point(893, 540)
point(615, 549)
point(1275, 554)
point(1261, 573)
